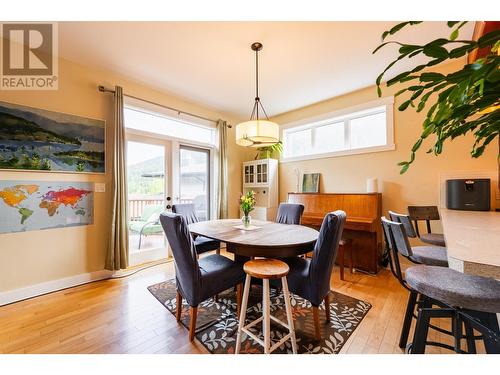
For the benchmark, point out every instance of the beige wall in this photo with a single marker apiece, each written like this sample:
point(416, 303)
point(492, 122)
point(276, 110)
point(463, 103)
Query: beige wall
point(420, 185)
point(38, 256)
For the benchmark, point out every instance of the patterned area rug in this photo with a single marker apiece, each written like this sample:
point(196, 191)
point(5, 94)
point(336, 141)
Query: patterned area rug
point(217, 323)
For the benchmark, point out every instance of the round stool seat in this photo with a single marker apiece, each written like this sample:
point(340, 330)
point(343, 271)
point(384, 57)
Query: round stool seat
point(454, 288)
point(266, 268)
point(433, 239)
point(430, 255)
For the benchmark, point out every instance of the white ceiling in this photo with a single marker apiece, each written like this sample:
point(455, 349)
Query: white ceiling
point(211, 63)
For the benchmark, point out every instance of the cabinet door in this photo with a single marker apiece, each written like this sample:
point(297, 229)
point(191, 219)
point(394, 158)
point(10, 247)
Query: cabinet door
point(265, 178)
point(251, 174)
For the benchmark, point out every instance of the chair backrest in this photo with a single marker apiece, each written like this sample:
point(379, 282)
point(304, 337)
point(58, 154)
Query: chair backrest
point(187, 271)
point(397, 241)
point(406, 221)
point(149, 210)
point(289, 213)
point(324, 254)
point(426, 213)
point(187, 210)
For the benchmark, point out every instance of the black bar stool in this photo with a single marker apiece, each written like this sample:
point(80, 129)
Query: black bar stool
point(471, 299)
point(427, 214)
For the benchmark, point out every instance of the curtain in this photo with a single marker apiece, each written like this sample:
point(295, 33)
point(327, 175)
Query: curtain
point(222, 178)
point(117, 256)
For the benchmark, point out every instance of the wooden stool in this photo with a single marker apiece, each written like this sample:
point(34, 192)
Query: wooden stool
point(343, 246)
point(266, 269)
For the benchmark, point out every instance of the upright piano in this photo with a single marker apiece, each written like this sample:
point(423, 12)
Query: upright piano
point(363, 225)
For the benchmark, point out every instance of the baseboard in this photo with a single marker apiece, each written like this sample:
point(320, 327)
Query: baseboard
point(52, 286)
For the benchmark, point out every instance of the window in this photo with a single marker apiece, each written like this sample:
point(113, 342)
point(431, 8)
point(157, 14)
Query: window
point(360, 129)
point(157, 123)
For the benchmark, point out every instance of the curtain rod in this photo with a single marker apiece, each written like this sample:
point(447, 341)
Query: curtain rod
point(103, 89)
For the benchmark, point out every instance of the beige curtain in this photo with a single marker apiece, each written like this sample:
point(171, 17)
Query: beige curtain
point(222, 181)
point(117, 257)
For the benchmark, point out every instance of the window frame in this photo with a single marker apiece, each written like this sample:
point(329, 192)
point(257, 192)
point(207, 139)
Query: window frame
point(345, 115)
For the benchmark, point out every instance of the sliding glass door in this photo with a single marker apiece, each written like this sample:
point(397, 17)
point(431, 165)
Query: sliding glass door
point(147, 197)
point(194, 186)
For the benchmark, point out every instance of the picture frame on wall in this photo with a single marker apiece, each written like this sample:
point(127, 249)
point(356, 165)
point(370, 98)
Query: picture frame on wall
point(310, 183)
point(34, 139)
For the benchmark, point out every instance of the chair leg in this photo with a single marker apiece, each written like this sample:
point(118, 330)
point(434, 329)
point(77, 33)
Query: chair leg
point(469, 336)
point(350, 256)
point(266, 321)
point(239, 293)
point(178, 306)
point(410, 309)
point(193, 312)
point(421, 331)
point(341, 261)
point(317, 333)
point(243, 313)
point(327, 307)
point(289, 315)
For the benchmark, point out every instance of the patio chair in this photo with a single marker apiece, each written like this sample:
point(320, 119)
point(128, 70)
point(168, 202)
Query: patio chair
point(148, 223)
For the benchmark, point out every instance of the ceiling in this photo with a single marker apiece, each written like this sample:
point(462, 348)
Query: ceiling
point(210, 63)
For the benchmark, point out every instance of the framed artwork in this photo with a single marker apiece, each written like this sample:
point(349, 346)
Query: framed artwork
point(310, 183)
point(40, 140)
point(34, 205)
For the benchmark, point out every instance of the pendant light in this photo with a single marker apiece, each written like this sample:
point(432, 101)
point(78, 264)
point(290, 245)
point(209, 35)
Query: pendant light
point(257, 132)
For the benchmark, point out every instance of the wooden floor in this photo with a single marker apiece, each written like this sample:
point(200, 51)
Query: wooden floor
point(121, 316)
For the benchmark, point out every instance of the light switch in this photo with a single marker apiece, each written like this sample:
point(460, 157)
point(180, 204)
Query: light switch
point(100, 187)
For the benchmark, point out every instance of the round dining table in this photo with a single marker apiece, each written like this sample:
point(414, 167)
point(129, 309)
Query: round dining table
point(263, 239)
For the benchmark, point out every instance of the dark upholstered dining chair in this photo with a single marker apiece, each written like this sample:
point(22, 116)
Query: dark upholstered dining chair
point(310, 278)
point(202, 244)
point(428, 255)
point(289, 213)
point(427, 214)
point(197, 280)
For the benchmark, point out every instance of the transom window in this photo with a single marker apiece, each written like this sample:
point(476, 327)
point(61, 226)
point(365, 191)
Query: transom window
point(360, 129)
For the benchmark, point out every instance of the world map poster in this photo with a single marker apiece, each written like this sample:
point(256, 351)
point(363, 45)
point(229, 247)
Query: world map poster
point(34, 205)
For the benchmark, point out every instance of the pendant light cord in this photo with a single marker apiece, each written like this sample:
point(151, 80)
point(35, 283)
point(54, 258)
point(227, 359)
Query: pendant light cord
point(257, 99)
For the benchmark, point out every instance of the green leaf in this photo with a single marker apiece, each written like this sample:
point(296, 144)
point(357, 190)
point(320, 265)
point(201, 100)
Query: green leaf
point(452, 23)
point(432, 50)
point(454, 34)
point(404, 105)
point(404, 169)
point(489, 39)
point(431, 77)
point(417, 145)
point(379, 91)
point(462, 50)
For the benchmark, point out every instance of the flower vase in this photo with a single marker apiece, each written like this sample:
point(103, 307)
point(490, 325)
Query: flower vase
point(246, 220)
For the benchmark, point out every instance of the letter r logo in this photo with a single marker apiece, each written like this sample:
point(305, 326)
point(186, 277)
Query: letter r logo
point(27, 49)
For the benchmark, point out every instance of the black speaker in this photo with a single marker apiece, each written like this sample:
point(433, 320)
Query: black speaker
point(472, 194)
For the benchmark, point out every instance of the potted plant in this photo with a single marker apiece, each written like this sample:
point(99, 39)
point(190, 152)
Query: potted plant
point(270, 151)
point(467, 101)
point(247, 204)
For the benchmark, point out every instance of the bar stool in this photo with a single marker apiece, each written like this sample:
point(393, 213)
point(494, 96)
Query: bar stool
point(427, 214)
point(266, 269)
point(473, 300)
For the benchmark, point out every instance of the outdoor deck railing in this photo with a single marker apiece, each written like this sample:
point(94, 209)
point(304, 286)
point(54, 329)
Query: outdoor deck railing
point(136, 205)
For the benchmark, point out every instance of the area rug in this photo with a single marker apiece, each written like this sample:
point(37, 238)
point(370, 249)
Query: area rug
point(217, 323)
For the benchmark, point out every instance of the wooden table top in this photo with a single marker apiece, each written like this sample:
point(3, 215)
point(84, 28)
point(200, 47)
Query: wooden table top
point(268, 234)
point(473, 241)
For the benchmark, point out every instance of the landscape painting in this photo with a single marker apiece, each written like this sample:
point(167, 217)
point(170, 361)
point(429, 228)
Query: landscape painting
point(40, 140)
point(33, 205)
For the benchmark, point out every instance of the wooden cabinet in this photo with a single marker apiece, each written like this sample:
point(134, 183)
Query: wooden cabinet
point(261, 176)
